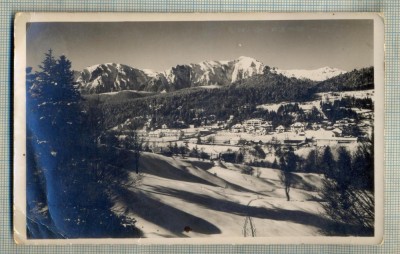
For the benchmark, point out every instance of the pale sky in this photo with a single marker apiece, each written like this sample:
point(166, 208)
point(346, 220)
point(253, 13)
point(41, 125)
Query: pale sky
point(343, 44)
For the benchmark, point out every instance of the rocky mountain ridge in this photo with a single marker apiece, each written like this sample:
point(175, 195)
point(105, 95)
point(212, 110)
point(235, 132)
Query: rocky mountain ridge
point(112, 77)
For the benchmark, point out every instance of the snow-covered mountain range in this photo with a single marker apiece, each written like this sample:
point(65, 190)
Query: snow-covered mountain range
point(111, 77)
point(320, 74)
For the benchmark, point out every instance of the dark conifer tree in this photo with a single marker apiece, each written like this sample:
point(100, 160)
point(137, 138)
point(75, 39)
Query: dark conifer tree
point(77, 179)
point(311, 162)
point(350, 208)
point(363, 166)
point(327, 162)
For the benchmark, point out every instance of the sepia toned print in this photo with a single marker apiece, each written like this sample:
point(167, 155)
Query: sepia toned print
point(236, 129)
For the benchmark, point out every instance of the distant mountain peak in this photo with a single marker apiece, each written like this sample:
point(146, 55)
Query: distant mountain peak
point(246, 58)
point(151, 73)
point(245, 67)
point(319, 74)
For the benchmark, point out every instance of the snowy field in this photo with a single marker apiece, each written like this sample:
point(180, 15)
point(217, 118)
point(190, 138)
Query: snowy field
point(179, 197)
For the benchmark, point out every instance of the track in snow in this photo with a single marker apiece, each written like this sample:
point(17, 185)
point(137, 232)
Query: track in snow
point(249, 229)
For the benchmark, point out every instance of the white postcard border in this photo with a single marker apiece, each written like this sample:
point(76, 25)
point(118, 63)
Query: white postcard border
point(19, 158)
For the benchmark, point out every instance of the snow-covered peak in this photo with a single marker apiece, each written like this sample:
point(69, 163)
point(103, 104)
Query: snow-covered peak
point(224, 62)
point(246, 59)
point(169, 75)
point(92, 68)
point(245, 67)
point(111, 77)
point(320, 74)
point(328, 69)
point(150, 73)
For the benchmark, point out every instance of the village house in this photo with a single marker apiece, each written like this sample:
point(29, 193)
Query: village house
point(172, 133)
point(142, 133)
point(155, 134)
point(338, 132)
point(253, 123)
point(262, 131)
point(297, 127)
point(165, 133)
point(250, 129)
point(267, 127)
point(238, 128)
point(257, 124)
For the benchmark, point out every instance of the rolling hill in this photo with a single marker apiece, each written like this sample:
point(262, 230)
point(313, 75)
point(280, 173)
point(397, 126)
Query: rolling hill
point(190, 198)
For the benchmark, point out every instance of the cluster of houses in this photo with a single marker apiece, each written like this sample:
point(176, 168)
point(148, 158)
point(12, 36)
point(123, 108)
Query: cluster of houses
point(320, 134)
point(177, 134)
point(255, 126)
point(211, 131)
point(259, 126)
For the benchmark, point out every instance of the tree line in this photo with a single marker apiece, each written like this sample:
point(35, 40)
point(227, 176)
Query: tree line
point(348, 185)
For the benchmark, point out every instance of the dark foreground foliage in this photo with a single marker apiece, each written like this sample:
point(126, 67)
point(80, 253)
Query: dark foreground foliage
point(348, 191)
point(70, 178)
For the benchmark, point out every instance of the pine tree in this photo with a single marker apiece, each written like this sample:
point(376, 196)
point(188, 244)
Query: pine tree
point(183, 150)
point(57, 105)
point(78, 178)
point(175, 149)
point(239, 157)
point(195, 152)
point(51, 125)
point(327, 162)
point(343, 171)
point(363, 166)
point(64, 79)
point(45, 78)
point(311, 162)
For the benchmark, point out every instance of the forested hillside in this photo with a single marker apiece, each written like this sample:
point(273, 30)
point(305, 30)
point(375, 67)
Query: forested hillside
point(239, 100)
point(355, 80)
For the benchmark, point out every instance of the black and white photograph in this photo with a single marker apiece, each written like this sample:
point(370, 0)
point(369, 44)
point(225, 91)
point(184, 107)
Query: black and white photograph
point(230, 127)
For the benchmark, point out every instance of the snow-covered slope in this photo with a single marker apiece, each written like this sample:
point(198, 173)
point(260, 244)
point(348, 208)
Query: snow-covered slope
point(320, 74)
point(217, 200)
